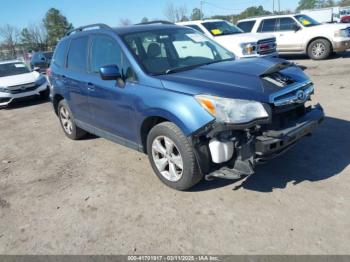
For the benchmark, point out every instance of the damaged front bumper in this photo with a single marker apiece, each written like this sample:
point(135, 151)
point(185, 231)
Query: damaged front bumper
point(253, 145)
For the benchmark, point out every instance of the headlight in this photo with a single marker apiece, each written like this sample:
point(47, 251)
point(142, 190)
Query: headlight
point(235, 111)
point(4, 89)
point(341, 33)
point(40, 81)
point(249, 48)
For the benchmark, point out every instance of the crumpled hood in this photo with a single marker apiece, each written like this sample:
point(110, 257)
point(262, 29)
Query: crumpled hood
point(240, 79)
point(19, 79)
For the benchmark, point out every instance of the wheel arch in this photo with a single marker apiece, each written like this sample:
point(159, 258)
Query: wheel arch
point(316, 38)
point(55, 101)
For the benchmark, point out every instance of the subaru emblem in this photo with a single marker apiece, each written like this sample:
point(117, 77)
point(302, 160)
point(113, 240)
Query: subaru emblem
point(301, 96)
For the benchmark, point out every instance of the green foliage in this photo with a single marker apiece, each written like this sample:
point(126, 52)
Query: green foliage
point(249, 12)
point(144, 20)
point(56, 26)
point(344, 3)
point(196, 14)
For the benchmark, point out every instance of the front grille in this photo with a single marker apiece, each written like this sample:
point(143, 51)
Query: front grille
point(267, 46)
point(22, 88)
point(296, 93)
point(283, 116)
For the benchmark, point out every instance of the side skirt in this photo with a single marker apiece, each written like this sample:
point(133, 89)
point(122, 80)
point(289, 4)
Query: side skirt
point(109, 136)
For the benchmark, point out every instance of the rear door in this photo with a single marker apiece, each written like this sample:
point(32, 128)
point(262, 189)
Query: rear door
point(75, 78)
point(111, 104)
point(246, 26)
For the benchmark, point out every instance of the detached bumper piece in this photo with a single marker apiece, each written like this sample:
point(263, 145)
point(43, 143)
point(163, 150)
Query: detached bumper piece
point(273, 143)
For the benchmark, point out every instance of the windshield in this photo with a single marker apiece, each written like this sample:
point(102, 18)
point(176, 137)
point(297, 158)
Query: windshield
point(222, 28)
point(170, 50)
point(10, 69)
point(306, 20)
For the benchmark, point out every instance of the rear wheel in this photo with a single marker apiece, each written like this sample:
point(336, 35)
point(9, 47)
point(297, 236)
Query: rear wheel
point(172, 157)
point(69, 127)
point(319, 49)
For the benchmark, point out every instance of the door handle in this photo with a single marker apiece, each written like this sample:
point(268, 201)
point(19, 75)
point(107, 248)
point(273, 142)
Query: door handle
point(90, 86)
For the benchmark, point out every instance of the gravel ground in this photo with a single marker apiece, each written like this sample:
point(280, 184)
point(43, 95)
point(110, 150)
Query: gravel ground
point(95, 197)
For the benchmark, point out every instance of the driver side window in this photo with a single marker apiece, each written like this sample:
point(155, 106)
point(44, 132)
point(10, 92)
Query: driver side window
point(106, 51)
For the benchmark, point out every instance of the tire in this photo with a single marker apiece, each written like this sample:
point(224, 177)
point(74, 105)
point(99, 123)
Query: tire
point(319, 49)
point(166, 160)
point(70, 129)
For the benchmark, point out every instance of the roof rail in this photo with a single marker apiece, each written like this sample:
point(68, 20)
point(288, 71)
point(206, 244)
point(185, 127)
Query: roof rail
point(81, 28)
point(164, 22)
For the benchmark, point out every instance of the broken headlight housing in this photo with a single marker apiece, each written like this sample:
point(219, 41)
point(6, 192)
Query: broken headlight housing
point(233, 111)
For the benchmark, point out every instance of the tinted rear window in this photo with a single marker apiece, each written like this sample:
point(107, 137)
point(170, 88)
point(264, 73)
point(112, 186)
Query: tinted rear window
point(60, 53)
point(77, 55)
point(246, 26)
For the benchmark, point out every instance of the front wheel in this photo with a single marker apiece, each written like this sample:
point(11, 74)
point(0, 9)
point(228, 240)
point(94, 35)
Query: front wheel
point(319, 49)
point(172, 157)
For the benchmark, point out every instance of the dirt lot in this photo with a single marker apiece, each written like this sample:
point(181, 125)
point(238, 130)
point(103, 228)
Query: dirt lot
point(95, 197)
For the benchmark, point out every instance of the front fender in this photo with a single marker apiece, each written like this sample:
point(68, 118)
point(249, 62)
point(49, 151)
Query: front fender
point(181, 109)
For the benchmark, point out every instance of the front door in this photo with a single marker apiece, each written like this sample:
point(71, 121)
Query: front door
point(111, 103)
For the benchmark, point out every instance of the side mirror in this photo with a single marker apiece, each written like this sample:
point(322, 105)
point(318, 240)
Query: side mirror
point(110, 72)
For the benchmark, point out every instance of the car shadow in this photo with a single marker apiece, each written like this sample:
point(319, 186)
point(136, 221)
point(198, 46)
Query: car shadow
point(315, 158)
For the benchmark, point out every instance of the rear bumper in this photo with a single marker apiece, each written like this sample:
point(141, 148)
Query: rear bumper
point(274, 142)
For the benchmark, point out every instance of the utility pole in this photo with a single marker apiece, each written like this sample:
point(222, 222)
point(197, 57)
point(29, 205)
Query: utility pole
point(279, 6)
point(273, 6)
point(201, 4)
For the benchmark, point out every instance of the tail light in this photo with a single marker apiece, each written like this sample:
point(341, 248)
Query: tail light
point(48, 72)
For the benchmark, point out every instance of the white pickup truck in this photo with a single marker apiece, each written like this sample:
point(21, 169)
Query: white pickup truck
point(300, 33)
point(243, 45)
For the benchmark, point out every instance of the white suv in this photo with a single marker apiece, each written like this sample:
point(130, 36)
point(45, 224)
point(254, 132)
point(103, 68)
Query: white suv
point(299, 33)
point(243, 45)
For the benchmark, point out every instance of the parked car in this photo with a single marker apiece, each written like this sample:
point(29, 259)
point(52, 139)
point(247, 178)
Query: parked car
point(41, 61)
point(204, 115)
point(17, 81)
point(301, 34)
point(345, 19)
point(243, 45)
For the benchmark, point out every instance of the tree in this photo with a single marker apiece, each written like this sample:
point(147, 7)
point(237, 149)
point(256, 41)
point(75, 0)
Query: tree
point(10, 35)
point(56, 26)
point(125, 22)
point(34, 37)
point(175, 13)
point(344, 3)
point(196, 14)
point(144, 20)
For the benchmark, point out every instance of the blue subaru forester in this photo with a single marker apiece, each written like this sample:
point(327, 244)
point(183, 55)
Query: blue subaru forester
point(172, 93)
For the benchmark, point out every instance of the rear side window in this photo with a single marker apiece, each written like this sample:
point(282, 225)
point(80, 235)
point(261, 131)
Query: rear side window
point(60, 53)
point(77, 55)
point(268, 25)
point(196, 27)
point(287, 24)
point(246, 26)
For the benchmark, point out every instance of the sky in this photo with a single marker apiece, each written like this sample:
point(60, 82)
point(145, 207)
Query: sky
point(20, 13)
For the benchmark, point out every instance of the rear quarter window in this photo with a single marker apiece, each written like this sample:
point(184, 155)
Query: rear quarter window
point(77, 54)
point(196, 27)
point(246, 26)
point(59, 57)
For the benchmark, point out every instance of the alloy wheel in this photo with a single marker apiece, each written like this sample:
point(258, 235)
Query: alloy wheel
point(66, 120)
point(318, 49)
point(167, 158)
